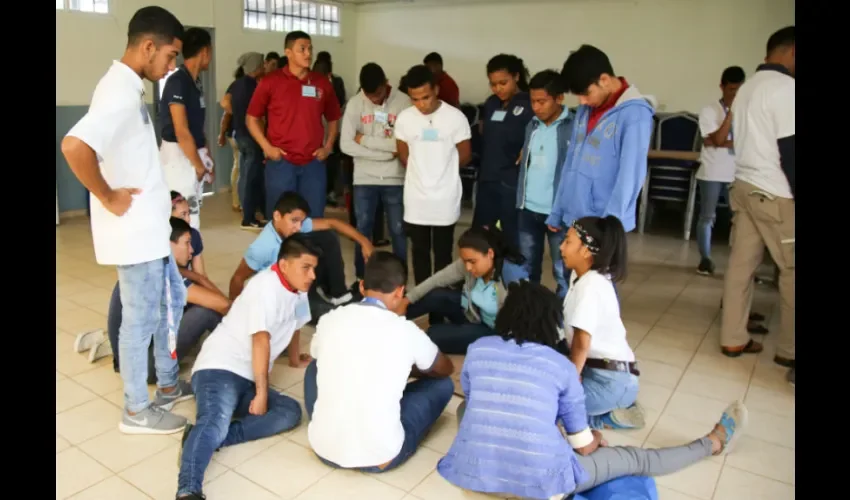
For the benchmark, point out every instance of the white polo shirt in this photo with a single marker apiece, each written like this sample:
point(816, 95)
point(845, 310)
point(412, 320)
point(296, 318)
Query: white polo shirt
point(591, 305)
point(432, 187)
point(264, 306)
point(716, 164)
point(120, 130)
point(364, 354)
point(763, 113)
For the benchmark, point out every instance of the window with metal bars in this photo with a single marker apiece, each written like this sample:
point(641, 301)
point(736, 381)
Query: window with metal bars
point(95, 6)
point(315, 18)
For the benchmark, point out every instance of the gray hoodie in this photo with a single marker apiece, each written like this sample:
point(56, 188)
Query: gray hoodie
point(374, 161)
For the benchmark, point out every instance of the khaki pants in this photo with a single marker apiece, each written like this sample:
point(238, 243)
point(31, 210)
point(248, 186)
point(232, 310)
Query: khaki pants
point(234, 174)
point(759, 220)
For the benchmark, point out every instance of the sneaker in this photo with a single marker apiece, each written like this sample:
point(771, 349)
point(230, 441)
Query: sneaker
point(192, 496)
point(181, 393)
point(790, 376)
point(733, 421)
point(706, 267)
point(87, 340)
point(152, 420)
point(632, 417)
point(100, 350)
point(252, 226)
point(335, 301)
point(186, 431)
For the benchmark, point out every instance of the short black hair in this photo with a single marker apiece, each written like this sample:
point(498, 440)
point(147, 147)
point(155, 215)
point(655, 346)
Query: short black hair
point(585, 67)
point(372, 77)
point(322, 66)
point(384, 272)
point(297, 245)
point(433, 57)
point(732, 74)
point(324, 56)
point(294, 36)
point(402, 84)
point(159, 24)
point(272, 56)
point(175, 195)
point(290, 201)
point(548, 80)
point(179, 227)
point(194, 41)
point(419, 76)
point(531, 313)
point(782, 38)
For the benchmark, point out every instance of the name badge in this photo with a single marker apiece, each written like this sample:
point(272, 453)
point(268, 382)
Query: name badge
point(203, 104)
point(381, 117)
point(430, 134)
point(498, 116)
point(538, 161)
point(308, 91)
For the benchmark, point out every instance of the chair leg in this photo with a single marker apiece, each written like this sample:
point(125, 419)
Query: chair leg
point(689, 211)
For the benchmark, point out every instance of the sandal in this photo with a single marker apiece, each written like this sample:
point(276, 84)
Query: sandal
point(750, 348)
point(733, 421)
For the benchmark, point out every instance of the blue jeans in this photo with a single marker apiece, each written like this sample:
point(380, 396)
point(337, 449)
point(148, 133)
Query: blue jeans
point(496, 201)
point(144, 317)
point(250, 183)
point(605, 391)
point(532, 230)
point(223, 399)
point(366, 200)
point(422, 404)
point(454, 337)
point(709, 194)
point(308, 180)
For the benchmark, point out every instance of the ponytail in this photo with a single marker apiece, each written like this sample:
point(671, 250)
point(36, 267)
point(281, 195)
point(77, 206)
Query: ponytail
point(611, 257)
point(483, 239)
point(239, 73)
point(513, 65)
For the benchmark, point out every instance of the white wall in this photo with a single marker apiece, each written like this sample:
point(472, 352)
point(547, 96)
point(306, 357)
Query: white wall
point(86, 44)
point(673, 49)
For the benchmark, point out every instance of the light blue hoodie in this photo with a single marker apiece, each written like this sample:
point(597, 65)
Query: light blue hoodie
point(605, 168)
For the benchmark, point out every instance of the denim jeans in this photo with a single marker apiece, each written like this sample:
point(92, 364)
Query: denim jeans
point(454, 337)
point(605, 391)
point(144, 316)
point(307, 180)
point(496, 201)
point(223, 399)
point(250, 184)
point(196, 321)
point(366, 201)
point(422, 404)
point(709, 194)
point(532, 230)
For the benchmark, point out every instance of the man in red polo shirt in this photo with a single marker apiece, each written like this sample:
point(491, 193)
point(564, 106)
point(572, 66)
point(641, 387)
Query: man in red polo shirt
point(447, 88)
point(295, 100)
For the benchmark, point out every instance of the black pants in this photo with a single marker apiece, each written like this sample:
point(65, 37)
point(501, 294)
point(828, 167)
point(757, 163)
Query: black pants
point(330, 273)
point(424, 240)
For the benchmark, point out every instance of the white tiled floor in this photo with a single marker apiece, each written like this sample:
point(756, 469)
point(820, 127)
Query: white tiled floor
point(671, 313)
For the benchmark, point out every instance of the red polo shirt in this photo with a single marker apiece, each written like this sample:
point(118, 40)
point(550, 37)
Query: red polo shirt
point(596, 113)
point(294, 115)
point(448, 90)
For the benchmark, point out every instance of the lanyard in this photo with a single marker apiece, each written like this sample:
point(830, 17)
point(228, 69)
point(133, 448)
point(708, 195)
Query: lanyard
point(169, 307)
point(372, 301)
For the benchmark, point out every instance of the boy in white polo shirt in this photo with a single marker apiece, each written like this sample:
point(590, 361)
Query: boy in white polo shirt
point(433, 143)
point(231, 373)
point(112, 151)
point(364, 414)
point(717, 161)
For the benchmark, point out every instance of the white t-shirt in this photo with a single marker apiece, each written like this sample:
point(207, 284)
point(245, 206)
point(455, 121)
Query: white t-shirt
point(591, 305)
point(364, 354)
point(764, 112)
point(716, 164)
point(120, 130)
point(432, 187)
point(264, 306)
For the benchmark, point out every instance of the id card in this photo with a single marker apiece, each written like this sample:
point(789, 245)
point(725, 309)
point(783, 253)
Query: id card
point(430, 134)
point(308, 91)
point(498, 116)
point(381, 117)
point(203, 103)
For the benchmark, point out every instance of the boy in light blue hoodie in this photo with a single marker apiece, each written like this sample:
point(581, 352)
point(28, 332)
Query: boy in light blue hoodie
point(606, 165)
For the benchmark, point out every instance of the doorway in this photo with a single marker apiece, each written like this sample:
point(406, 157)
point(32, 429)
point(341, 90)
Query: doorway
point(212, 120)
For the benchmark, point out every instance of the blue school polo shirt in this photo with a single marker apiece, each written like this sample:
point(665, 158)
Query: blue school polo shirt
point(180, 88)
point(263, 251)
point(504, 135)
point(542, 164)
point(484, 296)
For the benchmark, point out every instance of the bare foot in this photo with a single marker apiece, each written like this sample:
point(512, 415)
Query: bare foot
point(718, 438)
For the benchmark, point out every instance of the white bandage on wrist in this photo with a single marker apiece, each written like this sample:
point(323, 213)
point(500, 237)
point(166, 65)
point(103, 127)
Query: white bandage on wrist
point(581, 439)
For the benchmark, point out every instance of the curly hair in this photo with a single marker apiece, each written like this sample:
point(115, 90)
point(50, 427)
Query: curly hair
point(531, 313)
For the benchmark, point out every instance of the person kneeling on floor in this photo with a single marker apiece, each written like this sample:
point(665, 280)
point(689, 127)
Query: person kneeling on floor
point(231, 375)
point(518, 388)
point(595, 252)
point(364, 413)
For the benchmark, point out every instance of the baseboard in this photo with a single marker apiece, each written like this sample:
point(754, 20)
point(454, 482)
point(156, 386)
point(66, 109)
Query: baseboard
point(72, 214)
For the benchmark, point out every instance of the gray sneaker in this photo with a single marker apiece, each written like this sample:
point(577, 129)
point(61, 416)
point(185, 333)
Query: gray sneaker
point(87, 340)
point(151, 420)
point(167, 401)
point(100, 350)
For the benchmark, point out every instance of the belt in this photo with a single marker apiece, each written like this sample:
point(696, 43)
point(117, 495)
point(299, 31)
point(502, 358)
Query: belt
point(614, 366)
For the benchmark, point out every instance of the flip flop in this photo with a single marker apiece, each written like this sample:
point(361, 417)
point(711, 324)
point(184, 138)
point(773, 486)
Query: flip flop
point(750, 348)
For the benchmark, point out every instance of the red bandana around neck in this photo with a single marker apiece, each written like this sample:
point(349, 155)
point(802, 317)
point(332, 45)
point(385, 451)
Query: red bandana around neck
point(282, 278)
